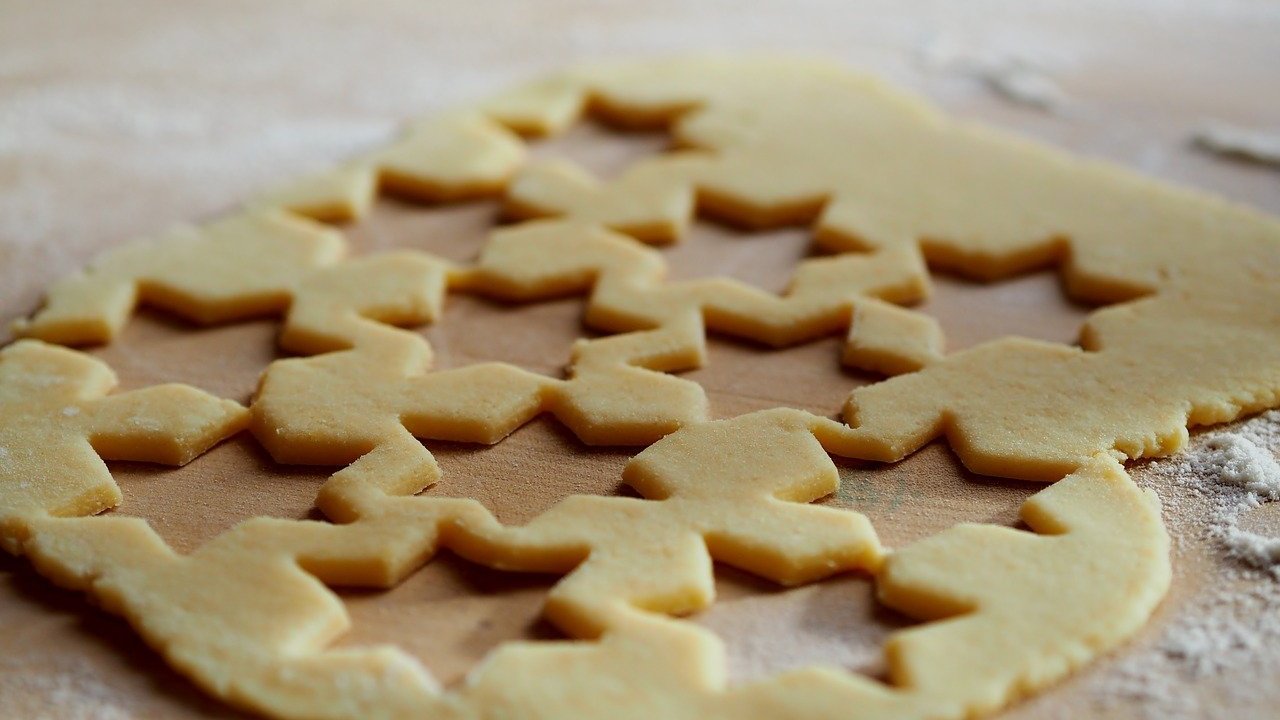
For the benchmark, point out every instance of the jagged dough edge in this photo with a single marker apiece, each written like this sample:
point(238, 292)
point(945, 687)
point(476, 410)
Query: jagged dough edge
point(245, 617)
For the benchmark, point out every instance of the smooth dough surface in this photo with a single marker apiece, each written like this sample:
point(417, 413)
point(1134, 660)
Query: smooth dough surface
point(891, 188)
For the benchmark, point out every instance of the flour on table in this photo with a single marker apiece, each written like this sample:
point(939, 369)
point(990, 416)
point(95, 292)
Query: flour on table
point(1236, 472)
point(1025, 86)
point(1013, 77)
point(1234, 141)
point(71, 691)
point(1228, 632)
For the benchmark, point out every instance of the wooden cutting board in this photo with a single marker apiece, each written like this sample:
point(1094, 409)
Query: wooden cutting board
point(118, 121)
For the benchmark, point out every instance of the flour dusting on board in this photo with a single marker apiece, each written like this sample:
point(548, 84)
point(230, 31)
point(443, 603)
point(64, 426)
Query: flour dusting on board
point(1236, 473)
point(1229, 628)
point(1014, 77)
point(73, 692)
point(1238, 142)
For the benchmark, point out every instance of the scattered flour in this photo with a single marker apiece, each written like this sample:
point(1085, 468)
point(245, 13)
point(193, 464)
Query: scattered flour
point(1237, 461)
point(1235, 473)
point(1014, 77)
point(70, 689)
point(1233, 141)
point(1025, 85)
point(1227, 633)
point(1255, 549)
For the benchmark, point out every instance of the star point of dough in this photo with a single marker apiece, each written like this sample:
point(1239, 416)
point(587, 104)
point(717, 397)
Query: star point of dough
point(61, 423)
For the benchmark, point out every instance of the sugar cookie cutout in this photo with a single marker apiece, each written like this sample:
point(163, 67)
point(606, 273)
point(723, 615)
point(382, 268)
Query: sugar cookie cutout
point(245, 617)
point(59, 423)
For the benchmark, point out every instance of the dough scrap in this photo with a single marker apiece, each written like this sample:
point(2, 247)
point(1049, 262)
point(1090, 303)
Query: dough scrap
point(60, 422)
point(333, 408)
point(891, 340)
point(760, 134)
point(247, 618)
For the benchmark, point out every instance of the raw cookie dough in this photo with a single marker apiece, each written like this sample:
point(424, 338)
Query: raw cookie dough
point(57, 422)
point(769, 141)
point(1144, 372)
point(455, 157)
point(890, 185)
point(234, 268)
point(245, 617)
point(905, 187)
point(271, 262)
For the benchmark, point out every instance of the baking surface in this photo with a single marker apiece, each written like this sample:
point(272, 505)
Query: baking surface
point(117, 122)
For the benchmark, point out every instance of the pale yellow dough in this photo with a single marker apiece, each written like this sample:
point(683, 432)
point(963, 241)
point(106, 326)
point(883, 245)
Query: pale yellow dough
point(772, 141)
point(245, 618)
point(455, 157)
point(59, 421)
point(891, 186)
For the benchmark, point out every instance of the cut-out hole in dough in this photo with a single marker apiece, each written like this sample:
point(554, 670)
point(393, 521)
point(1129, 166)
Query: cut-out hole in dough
point(925, 494)
point(1032, 306)
point(836, 622)
point(236, 480)
point(742, 377)
point(157, 347)
point(535, 336)
point(451, 614)
point(603, 150)
point(531, 470)
point(764, 258)
point(453, 231)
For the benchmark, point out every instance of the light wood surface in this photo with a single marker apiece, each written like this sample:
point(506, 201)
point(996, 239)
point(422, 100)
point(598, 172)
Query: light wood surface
point(116, 121)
